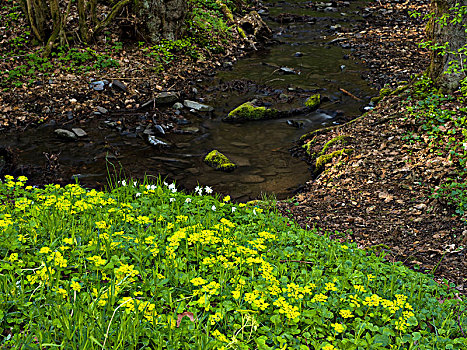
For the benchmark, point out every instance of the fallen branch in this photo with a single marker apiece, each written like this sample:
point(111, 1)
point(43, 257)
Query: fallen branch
point(349, 94)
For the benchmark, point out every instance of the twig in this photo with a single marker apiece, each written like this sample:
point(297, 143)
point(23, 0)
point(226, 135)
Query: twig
point(349, 94)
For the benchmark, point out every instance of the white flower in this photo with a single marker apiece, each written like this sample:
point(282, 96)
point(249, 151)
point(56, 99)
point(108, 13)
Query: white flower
point(135, 184)
point(171, 186)
point(199, 190)
point(123, 183)
point(208, 190)
point(138, 194)
point(188, 200)
point(254, 211)
point(213, 208)
point(166, 184)
point(172, 200)
point(233, 209)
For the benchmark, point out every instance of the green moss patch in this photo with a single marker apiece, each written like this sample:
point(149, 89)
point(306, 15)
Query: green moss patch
point(324, 159)
point(248, 111)
point(335, 140)
point(219, 161)
point(313, 101)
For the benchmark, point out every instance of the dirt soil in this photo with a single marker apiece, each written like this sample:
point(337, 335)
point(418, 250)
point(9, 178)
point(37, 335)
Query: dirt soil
point(379, 195)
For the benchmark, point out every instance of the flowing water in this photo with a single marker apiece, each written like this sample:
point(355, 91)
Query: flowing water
point(260, 149)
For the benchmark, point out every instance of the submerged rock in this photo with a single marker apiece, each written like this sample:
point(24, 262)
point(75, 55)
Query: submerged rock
point(313, 101)
point(219, 161)
point(79, 132)
point(156, 142)
point(248, 111)
point(66, 134)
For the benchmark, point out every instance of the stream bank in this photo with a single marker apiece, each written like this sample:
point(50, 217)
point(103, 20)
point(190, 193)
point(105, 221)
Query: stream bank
point(149, 138)
point(380, 195)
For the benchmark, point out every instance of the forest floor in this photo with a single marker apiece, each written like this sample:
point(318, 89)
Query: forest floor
point(380, 194)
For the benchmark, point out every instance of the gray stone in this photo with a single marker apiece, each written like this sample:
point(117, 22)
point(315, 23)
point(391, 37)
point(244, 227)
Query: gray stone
point(110, 123)
point(156, 142)
point(66, 134)
point(287, 70)
point(159, 129)
point(197, 106)
point(190, 130)
point(79, 132)
point(97, 85)
point(166, 97)
point(102, 110)
point(118, 84)
point(177, 106)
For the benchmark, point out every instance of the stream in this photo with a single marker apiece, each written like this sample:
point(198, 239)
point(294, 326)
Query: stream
point(260, 148)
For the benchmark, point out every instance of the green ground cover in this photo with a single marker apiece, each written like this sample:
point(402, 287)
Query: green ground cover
point(143, 266)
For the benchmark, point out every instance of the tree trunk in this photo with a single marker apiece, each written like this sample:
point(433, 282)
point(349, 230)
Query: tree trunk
point(456, 36)
point(160, 19)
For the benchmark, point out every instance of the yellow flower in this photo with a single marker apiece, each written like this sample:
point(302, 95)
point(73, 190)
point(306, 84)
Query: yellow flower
point(330, 286)
point(320, 298)
point(346, 313)
point(339, 328)
point(359, 288)
point(62, 292)
point(226, 198)
point(329, 347)
point(198, 281)
point(236, 294)
point(45, 250)
point(75, 286)
point(68, 240)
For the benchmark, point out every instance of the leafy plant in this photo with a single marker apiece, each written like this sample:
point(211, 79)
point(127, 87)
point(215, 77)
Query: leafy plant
point(143, 265)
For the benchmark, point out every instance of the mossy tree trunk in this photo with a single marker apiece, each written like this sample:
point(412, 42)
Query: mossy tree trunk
point(455, 35)
point(160, 19)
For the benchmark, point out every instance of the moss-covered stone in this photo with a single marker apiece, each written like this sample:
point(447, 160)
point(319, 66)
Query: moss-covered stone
point(321, 161)
point(219, 161)
point(313, 101)
point(338, 139)
point(248, 111)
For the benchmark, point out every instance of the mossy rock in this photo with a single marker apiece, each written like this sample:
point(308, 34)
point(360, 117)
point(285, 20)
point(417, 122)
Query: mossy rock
point(219, 161)
point(248, 111)
point(313, 101)
point(321, 161)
